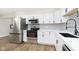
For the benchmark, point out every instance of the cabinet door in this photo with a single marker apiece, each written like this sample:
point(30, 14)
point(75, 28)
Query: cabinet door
point(59, 43)
point(30, 17)
point(43, 37)
point(41, 20)
point(56, 17)
point(46, 19)
point(39, 36)
point(62, 12)
point(36, 16)
point(51, 37)
point(58, 48)
point(46, 37)
point(27, 20)
point(51, 19)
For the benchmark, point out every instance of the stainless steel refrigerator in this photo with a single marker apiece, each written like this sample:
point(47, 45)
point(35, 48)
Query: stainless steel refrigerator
point(16, 30)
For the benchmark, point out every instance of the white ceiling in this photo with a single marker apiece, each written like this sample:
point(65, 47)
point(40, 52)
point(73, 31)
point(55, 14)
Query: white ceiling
point(25, 11)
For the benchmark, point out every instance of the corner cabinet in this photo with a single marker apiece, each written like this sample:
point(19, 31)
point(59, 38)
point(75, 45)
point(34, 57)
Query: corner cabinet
point(45, 37)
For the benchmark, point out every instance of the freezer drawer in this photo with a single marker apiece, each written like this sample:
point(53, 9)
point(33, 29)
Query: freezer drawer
point(15, 38)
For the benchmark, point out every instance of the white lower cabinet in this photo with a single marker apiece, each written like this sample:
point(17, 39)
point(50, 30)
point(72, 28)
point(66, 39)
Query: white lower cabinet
point(45, 37)
point(58, 43)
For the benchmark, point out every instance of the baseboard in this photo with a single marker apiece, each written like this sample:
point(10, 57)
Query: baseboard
point(4, 35)
point(45, 43)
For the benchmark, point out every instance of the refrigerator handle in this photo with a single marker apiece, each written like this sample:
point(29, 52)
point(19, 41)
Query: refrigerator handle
point(11, 26)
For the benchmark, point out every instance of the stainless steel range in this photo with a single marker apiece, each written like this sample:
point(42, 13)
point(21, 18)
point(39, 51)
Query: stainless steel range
point(32, 32)
point(34, 27)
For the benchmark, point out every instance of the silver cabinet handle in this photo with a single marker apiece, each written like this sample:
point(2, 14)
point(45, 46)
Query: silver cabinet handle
point(53, 21)
point(42, 34)
point(56, 41)
point(49, 33)
point(43, 21)
point(11, 26)
point(49, 21)
point(60, 20)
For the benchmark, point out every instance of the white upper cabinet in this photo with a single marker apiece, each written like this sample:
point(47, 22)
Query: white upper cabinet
point(30, 17)
point(27, 20)
point(41, 19)
point(50, 18)
point(46, 19)
point(58, 16)
point(62, 12)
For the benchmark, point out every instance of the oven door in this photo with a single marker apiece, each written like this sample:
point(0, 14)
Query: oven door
point(31, 33)
point(65, 48)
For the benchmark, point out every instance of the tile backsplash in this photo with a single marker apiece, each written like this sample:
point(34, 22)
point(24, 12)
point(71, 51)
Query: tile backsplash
point(53, 27)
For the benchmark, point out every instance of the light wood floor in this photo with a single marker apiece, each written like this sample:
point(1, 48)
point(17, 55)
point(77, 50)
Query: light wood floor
point(29, 46)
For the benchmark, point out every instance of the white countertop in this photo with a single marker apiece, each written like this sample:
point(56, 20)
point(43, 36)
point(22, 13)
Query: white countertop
point(72, 43)
point(53, 30)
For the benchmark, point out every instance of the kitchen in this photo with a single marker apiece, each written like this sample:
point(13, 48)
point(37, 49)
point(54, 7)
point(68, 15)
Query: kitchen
point(39, 28)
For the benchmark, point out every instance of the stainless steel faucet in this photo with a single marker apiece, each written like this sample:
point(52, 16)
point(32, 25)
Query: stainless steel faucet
point(75, 25)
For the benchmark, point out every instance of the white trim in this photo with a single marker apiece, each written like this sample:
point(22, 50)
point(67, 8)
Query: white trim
point(46, 43)
point(4, 35)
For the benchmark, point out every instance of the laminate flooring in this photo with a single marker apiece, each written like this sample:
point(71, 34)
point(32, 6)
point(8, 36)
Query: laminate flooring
point(31, 45)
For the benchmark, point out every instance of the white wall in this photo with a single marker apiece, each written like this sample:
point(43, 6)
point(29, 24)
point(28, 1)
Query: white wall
point(4, 27)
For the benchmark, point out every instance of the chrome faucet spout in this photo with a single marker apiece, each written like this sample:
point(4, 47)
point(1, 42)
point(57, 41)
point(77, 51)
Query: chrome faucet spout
point(75, 26)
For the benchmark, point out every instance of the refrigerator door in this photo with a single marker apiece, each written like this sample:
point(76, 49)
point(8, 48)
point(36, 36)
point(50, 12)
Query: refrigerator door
point(16, 34)
point(23, 24)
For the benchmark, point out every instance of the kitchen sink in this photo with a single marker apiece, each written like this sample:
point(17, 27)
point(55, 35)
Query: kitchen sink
point(68, 35)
